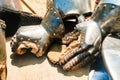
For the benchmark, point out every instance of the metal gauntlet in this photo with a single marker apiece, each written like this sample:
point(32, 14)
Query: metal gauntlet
point(37, 38)
point(51, 27)
point(103, 21)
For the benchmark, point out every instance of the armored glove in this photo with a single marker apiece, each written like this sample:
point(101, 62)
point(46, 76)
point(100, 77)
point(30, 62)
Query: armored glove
point(104, 20)
point(87, 49)
point(37, 38)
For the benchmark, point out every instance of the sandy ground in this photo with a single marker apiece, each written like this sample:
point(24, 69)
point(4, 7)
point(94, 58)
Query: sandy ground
point(28, 67)
point(39, 6)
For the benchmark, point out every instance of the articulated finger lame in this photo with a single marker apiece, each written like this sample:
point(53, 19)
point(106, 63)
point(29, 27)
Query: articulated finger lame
point(77, 57)
point(86, 46)
point(75, 34)
point(81, 52)
point(70, 37)
point(2, 51)
point(37, 38)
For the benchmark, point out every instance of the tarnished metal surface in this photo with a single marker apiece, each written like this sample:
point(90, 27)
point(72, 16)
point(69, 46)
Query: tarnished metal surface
point(42, 35)
point(95, 37)
point(2, 52)
point(111, 56)
point(107, 15)
point(52, 24)
point(70, 7)
point(28, 67)
point(115, 2)
point(85, 52)
point(104, 20)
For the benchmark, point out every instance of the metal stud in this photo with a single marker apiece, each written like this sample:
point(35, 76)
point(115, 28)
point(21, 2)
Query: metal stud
point(46, 45)
point(105, 5)
point(113, 7)
point(35, 41)
point(21, 38)
point(54, 12)
point(51, 8)
point(11, 43)
point(58, 18)
point(28, 39)
point(54, 34)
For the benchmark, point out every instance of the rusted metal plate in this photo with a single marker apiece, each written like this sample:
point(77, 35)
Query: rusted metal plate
point(111, 56)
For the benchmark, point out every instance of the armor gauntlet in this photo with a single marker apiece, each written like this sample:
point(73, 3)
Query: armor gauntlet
point(37, 38)
point(103, 21)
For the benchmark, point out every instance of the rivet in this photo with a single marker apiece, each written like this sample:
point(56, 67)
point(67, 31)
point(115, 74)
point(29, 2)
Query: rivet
point(21, 38)
point(51, 8)
point(113, 7)
point(54, 34)
point(105, 5)
point(28, 39)
point(54, 12)
point(36, 41)
point(58, 18)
